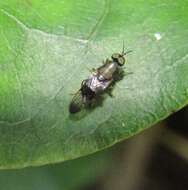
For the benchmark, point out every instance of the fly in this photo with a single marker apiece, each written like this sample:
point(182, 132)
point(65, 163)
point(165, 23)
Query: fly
point(84, 96)
point(100, 80)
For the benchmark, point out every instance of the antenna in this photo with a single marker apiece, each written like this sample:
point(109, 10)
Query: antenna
point(123, 51)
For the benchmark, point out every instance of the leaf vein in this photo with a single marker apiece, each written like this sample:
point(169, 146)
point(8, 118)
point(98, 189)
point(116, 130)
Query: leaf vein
point(99, 21)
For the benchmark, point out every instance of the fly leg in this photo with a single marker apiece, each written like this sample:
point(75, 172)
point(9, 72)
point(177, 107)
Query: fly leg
point(110, 88)
point(106, 61)
point(83, 83)
point(128, 73)
point(109, 91)
point(92, 70)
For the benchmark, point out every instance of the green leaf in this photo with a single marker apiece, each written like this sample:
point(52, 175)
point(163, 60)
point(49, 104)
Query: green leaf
point(70, 175)
point(46, 48)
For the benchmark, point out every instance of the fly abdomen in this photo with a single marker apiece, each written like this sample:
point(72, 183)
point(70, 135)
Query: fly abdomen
point(76, 103)
point(74, 108)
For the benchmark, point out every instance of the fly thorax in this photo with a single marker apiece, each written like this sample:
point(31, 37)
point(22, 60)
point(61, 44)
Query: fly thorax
point(109, 70)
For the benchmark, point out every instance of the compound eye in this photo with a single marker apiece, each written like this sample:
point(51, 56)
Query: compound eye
point(121, 61)
point(115, 56)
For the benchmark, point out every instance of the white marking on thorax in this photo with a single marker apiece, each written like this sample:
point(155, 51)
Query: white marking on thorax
point(97, 85)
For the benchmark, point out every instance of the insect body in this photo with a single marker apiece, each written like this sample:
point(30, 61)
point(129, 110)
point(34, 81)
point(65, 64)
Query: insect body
point(84, 96)
point(100, 79)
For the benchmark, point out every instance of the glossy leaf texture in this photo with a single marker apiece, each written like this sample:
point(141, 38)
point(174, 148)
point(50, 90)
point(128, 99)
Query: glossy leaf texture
point(46, 48)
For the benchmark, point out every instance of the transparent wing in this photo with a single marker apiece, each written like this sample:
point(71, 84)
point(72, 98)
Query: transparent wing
point(76, 103)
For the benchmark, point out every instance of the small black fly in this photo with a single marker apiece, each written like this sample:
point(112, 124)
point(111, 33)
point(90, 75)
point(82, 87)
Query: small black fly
point(100, 79)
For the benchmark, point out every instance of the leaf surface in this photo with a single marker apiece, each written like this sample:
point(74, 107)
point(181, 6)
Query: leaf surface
point(46, 48)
